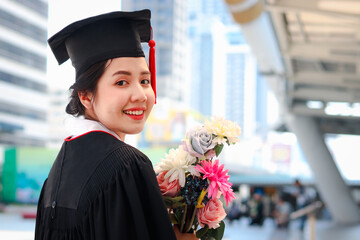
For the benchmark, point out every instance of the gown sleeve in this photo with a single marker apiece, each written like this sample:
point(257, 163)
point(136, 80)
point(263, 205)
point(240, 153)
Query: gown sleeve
point(130, 206)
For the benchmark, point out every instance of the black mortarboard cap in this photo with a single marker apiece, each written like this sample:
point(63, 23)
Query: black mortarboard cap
point(115, 34)
point(102, 37)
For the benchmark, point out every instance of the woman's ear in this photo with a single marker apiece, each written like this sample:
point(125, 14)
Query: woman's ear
point(86, 99)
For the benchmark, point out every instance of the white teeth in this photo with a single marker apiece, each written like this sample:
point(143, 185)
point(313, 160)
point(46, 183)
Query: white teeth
point(134, 112)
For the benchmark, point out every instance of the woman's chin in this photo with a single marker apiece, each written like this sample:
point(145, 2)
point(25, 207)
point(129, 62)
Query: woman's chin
point(135, 130)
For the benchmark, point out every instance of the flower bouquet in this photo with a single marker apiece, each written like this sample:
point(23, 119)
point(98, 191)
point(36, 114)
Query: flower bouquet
point(192, 181)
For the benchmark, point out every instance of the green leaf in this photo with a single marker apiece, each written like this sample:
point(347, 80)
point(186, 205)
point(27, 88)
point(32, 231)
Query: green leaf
point(177, 205)
point(173, 219)
point(201, 232)
point(174, 202)
point(178, 215)
point(218, 149)
point(207, 237)
point(217, 233)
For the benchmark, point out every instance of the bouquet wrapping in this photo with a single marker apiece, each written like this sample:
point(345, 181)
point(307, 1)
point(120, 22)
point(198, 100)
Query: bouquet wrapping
point(193, 182)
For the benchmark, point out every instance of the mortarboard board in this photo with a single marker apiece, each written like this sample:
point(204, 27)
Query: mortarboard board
point(102, 37)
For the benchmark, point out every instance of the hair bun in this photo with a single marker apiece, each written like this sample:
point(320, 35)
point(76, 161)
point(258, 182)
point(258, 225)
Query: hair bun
point(75, 107)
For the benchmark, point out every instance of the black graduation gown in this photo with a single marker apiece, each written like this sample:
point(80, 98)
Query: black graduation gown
point(101, 188)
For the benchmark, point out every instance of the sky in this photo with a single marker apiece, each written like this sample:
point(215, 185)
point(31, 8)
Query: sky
point(61, 14)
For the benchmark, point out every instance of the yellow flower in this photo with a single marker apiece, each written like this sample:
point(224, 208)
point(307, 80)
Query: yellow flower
point(224, 130)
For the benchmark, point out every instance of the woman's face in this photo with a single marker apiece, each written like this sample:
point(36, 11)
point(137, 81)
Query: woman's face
point(124, 96)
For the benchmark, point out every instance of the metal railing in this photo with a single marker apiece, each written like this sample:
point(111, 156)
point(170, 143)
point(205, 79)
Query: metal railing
point(310, 210)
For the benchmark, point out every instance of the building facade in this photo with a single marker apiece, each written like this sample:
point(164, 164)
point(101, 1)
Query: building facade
point(246, 92)
point(23, 98)
point(201, 41)
point(169, 23)
point(206, 25)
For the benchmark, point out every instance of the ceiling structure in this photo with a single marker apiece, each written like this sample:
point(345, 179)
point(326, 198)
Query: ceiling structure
point(319, 41)
point(308, 51)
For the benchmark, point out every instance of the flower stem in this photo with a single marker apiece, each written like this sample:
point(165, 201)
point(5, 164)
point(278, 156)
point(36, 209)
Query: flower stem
point(183, 219)
point(190, 223)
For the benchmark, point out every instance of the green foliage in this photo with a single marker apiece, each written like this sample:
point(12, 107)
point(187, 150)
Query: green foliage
point(174, 202)
point(201, 232)
point(178, 214)
point(207, 237)
point(218, 149)
point(211, 234)
point(174, 219)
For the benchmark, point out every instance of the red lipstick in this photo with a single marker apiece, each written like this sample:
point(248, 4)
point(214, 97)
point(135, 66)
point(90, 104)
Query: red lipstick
point(135, 113)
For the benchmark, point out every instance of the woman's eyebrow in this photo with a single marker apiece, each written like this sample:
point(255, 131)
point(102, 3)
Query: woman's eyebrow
point(121, 73)
point(129, 73)
point(145, 73)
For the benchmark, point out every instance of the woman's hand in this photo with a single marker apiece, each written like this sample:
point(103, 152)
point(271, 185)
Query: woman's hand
point(184, 236)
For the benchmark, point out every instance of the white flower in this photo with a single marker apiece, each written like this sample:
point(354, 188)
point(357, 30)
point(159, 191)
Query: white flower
point(176, 163)
point(224, 130)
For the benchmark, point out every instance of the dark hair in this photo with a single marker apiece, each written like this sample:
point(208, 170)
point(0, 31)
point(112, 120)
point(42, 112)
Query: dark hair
point(87, 82)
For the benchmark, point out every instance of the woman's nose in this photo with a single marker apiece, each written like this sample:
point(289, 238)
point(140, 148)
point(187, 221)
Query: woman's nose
point(138, 94)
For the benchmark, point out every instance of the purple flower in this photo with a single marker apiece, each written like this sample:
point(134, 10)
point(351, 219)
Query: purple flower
point(198, 142)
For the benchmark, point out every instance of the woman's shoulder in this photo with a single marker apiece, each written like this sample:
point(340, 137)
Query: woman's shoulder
point(106, 151)
point(127, 154)
point(102, 149)
point(123, 164)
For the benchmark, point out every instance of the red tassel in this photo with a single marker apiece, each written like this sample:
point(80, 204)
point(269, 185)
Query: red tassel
point(152, 65)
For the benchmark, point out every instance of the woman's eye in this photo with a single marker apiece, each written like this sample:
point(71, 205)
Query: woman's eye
point(145, 81)
point(121, 83)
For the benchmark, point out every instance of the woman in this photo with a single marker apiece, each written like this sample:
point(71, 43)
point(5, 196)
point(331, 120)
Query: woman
point(99, 187)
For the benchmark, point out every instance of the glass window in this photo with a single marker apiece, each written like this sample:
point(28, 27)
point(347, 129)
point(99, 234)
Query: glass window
point(21, 111)
point(38, 6)
point(19, 25)
point(22, 82)
point(10, 51)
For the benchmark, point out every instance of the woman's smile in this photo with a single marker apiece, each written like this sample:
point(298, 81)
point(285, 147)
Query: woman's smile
point(135, 113)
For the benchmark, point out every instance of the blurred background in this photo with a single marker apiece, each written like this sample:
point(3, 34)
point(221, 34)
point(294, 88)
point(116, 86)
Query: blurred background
point(287, 71)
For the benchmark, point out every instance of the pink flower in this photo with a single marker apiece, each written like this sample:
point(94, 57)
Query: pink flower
point(212, 214)
point(210, 154)
point(219, 179)
point(166, 188)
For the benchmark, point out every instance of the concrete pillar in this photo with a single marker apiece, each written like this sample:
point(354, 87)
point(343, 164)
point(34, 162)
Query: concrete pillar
point(335, 193)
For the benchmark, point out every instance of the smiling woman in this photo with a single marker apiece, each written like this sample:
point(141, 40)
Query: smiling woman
point(99, 187)
point(123, 98)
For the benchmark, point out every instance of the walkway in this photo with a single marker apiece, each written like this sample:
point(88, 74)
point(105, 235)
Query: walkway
point(14, 227)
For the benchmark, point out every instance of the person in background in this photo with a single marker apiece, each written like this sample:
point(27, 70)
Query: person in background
point(257, 209)
point(302, 200)
point(99, 187)
point(282, 212)
point(234, 211)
